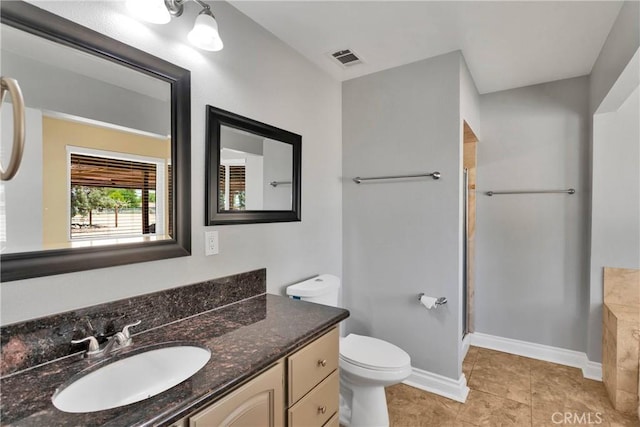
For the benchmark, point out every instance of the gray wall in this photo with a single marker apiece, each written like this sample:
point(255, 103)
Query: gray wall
point(278, 166)
point(403, 237)
point(23, 213)
point(621, 44)
point(469, 100)
point(530, 249)
point(240, 141)
point(616, 189)
point(257, 76)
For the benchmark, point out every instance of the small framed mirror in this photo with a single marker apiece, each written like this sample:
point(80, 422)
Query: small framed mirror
point(253, 171)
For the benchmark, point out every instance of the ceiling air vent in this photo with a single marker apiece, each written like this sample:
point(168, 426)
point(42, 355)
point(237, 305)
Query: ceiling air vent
point(346, 57)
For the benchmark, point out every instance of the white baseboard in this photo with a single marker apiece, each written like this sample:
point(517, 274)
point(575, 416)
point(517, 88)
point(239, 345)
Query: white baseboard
point(561, 356)
point(592, 370)
point(466, 343)
point(443, 386)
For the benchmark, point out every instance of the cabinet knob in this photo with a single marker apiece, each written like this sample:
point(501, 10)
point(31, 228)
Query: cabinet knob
point(322, 362)
point(322, 409)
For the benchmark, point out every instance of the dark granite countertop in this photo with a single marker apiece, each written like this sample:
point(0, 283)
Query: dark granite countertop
point(244, 339)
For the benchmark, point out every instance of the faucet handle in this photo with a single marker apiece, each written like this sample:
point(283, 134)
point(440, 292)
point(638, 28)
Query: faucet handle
point(125, 330)
point(93, 343)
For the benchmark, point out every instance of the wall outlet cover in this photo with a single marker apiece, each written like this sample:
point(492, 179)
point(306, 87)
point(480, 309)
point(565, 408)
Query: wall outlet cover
point(211, 243)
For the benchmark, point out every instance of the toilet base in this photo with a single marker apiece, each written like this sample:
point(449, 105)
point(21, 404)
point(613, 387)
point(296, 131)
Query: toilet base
point(363, 406)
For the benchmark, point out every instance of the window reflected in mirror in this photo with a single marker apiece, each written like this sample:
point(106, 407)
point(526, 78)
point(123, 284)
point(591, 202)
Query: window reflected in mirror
point(115, 196)
point(233, 188)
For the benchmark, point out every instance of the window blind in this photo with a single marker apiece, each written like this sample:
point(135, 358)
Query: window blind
point(236, 185)
point(111, 197)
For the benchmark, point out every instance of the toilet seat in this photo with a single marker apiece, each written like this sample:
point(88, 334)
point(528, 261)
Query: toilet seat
point(372, 353)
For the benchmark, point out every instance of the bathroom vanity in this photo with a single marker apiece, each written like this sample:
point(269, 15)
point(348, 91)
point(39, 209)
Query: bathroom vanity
point(311, 380)
point(273, 359)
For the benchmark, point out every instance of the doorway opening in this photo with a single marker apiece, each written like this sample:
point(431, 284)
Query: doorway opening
point(469, 151)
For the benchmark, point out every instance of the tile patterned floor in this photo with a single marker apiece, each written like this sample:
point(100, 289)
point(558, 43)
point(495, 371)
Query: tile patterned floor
point(509, 390)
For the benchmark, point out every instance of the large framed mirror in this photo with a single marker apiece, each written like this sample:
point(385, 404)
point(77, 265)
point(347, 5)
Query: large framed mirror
point(105, 177)
point(253, 171)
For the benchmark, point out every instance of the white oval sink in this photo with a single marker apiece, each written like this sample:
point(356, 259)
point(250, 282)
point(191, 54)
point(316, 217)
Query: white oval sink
point(131, 379)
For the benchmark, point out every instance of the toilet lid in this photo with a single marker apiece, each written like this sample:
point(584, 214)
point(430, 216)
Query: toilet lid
point(372, 353)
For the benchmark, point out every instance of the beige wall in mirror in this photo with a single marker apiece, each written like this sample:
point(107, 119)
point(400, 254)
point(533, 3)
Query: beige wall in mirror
point(98, 150)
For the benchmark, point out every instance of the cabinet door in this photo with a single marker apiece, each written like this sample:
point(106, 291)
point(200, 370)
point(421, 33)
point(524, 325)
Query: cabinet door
point(260, 402)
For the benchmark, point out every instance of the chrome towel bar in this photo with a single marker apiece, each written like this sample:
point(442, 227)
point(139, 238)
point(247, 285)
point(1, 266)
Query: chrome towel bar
point(568, 191)
point(276, 183)
point(434, 175)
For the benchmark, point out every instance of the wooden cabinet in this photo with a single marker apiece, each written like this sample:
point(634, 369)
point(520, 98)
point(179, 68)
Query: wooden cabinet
point(313, 383)
point(312, 397)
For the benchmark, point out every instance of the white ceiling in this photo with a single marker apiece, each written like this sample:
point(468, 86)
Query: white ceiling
point(506, 44)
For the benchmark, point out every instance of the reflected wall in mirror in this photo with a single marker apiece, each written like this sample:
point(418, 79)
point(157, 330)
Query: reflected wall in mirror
point(253, 171)
point(105, 175)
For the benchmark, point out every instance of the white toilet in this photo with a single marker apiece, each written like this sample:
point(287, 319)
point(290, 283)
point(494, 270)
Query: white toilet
point(367, 365)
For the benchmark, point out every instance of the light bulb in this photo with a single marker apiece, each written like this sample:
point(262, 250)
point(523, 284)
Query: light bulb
point(204, 34)
point(153, 11)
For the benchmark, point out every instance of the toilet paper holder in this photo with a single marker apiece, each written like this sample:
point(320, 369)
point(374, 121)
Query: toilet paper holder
point(440, 301)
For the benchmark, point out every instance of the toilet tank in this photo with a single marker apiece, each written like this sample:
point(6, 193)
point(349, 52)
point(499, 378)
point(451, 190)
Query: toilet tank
point(323, 289)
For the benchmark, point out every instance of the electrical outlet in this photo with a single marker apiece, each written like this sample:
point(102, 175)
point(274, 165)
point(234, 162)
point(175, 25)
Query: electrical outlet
point(211, 243)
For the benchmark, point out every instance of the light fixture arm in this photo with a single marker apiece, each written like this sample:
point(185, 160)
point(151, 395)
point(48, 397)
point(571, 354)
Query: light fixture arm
point(176, 7)
point(203, 4)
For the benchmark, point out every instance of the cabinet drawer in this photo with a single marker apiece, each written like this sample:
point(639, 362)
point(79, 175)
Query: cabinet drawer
point(334, 421)
point(312, 364)
point(319, 406)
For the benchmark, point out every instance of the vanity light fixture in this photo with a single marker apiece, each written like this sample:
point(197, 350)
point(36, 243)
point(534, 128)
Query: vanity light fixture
point(204, 34)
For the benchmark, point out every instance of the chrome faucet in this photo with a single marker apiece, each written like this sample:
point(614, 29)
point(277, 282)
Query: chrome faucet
point(115, 343)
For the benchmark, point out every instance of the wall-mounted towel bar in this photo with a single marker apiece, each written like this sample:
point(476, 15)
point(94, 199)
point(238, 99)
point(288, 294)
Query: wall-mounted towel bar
point(276, 183)
point(434, 175)
point(568, 191)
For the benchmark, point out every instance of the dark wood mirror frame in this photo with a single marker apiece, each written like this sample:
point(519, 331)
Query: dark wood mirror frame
point(25, 265)
point(213, 215)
